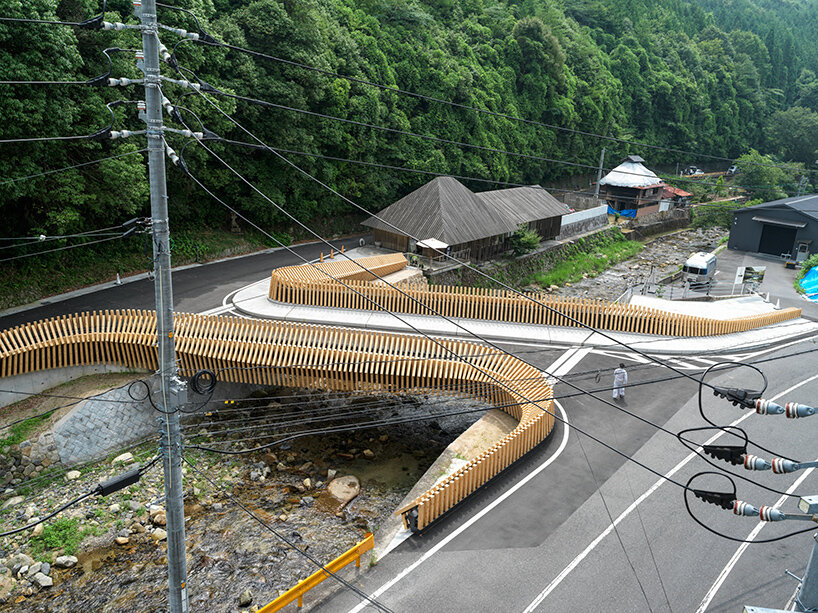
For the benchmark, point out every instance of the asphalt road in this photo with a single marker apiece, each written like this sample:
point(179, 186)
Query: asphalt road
point(539, 537)
point(195, 289)
point(530, 551)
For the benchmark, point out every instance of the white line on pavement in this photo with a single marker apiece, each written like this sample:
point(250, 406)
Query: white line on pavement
point(563, 443)
point(584, 554)
point(711, 593)
point(405, 572)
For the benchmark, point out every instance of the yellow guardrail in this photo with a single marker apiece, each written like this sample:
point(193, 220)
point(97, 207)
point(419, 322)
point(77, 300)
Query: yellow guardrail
point(297, 592)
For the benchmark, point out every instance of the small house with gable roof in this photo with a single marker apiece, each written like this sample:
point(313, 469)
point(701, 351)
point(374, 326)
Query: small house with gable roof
point(631, 189)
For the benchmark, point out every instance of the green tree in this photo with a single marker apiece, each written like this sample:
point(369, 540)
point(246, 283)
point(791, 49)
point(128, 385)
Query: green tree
point(764, 175)
point(793, 134)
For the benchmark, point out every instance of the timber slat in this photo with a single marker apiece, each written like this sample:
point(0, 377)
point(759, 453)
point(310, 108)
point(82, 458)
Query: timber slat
point(308, 286)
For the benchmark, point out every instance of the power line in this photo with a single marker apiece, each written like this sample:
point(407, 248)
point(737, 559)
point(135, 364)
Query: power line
point(103, 489)
point(287, 541)
point(444, 174)
point(29, 255)
point(44, 138)
point(207, 39)
point(391, 225)
point(46, 21)
point(636, 416)
point(43, 83)
point(445, 349)
point(208, 88)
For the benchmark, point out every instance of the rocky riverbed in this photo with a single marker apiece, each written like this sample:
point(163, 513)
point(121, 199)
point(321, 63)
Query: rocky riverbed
point(320, 492)
point(665, 255)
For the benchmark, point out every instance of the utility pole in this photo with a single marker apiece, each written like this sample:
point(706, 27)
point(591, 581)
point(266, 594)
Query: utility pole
point(599, 173)
point(172, 389)
point(807, 599)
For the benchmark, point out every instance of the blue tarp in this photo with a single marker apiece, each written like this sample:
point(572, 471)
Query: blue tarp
point(622, 213)
point(810, 283)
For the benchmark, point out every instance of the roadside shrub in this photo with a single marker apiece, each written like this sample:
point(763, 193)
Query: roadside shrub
point(524, 240)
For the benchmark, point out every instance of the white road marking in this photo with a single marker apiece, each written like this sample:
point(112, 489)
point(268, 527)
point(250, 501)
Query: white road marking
point(409, 569)
point(564, 364)
point(587, 551)
point(711, 593)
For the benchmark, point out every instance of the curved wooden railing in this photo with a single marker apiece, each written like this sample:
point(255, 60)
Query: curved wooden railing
point(306, 286)
point(302, 355)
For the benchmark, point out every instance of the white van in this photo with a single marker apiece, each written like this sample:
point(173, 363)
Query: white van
point(699, 267)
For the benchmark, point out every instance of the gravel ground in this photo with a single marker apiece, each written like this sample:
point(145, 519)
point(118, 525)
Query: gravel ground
point(666, 254)
point(232, 558)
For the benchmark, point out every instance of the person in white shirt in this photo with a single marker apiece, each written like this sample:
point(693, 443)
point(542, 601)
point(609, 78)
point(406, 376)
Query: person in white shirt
point(619, 382)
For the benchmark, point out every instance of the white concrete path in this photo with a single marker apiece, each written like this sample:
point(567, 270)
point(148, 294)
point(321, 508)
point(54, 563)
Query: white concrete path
point(253, 301)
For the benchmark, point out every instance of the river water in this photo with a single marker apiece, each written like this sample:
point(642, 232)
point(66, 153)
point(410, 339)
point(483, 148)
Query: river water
point(229, 551)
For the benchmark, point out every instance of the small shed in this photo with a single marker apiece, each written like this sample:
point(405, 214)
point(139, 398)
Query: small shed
point(786, 227)
point(631, 189)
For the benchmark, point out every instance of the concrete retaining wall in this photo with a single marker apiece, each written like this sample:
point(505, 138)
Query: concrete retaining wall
point(41, 380)
point(581, 222)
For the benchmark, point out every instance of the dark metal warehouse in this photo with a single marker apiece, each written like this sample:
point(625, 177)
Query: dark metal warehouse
point(786, 228)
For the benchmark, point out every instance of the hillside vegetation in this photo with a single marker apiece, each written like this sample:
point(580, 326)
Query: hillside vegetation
point(708, 75)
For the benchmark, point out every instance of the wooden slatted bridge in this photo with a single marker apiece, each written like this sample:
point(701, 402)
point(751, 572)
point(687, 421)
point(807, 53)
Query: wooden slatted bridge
point(318, 286)
point(310, 356)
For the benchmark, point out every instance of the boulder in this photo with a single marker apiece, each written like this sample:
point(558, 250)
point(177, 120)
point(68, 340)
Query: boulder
point(125, 458)
point(13, 501)
point(159, 535)
point(122, 540)
point(33, 569)
point(344, 489)
point(71, 475)
point(369, 454)
point(65, 562)
point(7, 584)
point(160, 519)
point(19, 558)
point(41, 580)
point(246, 598)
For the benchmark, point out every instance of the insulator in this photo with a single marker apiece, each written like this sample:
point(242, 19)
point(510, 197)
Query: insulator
point(140, 55)
point(768, 407)
point(782, 466)
point(771, 514)
point(742, 508)
point(141, 106)
point(753, 462)
point(795, 410)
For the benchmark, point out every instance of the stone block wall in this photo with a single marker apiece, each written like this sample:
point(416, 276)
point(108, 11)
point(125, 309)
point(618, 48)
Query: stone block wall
point(28, 459)
point(95, 428)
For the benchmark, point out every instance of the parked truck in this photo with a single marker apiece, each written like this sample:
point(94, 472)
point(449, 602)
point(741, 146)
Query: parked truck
point(699, 267)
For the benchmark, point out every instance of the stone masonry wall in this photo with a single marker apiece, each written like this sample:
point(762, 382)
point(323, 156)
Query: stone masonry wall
point(28, 459)
point(95, 428)
point(517, 271)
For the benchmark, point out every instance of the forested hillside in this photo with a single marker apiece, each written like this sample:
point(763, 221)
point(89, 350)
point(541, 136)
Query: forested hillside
point(711, 76)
